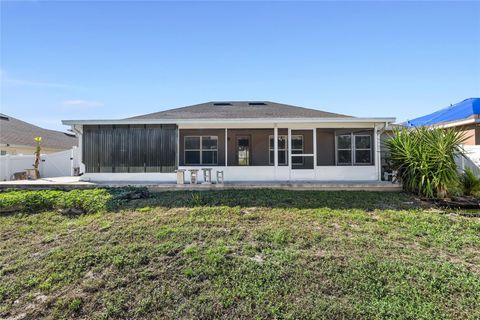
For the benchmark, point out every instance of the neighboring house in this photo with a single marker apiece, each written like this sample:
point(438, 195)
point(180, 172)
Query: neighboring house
point(464, 116)
point(17, 137)
point(249, 141)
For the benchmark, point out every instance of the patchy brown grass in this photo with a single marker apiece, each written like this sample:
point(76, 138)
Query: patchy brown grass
point(243, 255)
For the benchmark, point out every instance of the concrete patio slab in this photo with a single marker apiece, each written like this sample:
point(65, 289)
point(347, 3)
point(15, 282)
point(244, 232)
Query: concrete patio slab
point(75, 183)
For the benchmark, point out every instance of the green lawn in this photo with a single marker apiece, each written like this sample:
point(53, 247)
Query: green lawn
point(258, 254)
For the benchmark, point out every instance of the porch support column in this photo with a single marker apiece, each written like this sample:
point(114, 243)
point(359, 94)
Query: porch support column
point(289, 137)
point(226, 147)
point(275, 149)
point(177, 158)
point(377, 152)
point(79, 133)
point(315, 152)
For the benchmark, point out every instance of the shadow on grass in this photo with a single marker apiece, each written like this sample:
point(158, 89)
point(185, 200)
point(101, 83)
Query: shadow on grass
point(271, 198)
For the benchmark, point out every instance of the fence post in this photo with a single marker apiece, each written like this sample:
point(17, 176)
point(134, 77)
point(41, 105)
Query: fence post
point(71, 161)
point(41, 166)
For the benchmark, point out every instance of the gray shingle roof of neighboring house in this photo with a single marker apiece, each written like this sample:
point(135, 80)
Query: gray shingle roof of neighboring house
point(17, 132)
point(240, 110)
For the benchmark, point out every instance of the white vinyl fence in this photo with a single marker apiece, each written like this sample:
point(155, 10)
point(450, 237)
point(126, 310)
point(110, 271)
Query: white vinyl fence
point(59, 164)
point(471, 159)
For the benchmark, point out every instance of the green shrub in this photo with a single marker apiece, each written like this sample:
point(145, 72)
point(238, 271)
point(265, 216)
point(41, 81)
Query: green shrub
point(470, 182)
point(455, 189)
point(29, 201)
point(425, 159)
point(88, 201)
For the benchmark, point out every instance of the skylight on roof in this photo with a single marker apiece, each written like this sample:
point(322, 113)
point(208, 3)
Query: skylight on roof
point(222, 104)
point(257, 104)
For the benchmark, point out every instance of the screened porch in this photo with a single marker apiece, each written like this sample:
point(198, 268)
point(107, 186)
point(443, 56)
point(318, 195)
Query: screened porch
point(306, 148)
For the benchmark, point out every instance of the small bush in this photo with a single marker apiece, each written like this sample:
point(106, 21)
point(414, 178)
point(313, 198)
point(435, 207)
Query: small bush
point(470, 182)
point(455, 189)
point(88, 201)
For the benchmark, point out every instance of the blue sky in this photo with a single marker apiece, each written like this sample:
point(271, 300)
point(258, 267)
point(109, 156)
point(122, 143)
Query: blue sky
point(87, 60)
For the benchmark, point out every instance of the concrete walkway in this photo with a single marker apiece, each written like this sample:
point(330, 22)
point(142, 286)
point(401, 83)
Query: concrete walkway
point(47, 181)
point(75, 183)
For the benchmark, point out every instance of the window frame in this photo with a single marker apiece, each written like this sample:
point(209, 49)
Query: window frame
point(362, 149)
point(337, 149)
point(201, 150)
point(353, 148)
point(298, 155)
point(285, 150)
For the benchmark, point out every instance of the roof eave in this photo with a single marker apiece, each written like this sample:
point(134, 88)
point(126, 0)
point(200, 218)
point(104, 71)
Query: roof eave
point(456, 123)
point(226, 121)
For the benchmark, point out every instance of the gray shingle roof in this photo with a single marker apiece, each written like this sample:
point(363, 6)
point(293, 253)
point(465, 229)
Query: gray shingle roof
point(240, 110)
point(17, 132)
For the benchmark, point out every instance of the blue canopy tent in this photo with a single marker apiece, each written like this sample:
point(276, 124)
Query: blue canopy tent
point(458, 111)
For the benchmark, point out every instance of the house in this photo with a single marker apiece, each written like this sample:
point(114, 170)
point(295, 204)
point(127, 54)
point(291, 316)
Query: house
point(247, 140)
point(17, 137)
point(463, 116)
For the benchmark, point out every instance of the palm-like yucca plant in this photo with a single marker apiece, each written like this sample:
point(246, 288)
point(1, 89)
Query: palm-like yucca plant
point(425, 159)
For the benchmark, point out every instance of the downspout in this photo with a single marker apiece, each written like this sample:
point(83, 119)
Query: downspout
point(79, 133)
point(379, 151)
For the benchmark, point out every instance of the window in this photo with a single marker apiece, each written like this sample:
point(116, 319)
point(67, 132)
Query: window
point(363, 149)
point(297, 148)
point(201, 150)
point(209, 150)
point(192, 150)
point(344, 149)
point(3, 153)
point(354, 149)
point(282, 150)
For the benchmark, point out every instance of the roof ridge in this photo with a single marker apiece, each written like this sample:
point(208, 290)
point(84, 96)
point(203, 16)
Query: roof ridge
point(211, 110)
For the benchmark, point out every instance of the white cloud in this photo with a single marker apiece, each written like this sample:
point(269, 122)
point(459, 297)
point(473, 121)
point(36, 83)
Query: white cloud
point(21, 82)
point(5, 79)
point(82, 104)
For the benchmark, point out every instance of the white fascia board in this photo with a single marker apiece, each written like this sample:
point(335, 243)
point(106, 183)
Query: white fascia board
point(226, 121)
point(457, 123)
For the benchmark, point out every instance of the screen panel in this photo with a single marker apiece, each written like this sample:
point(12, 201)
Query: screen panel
point(130, 148)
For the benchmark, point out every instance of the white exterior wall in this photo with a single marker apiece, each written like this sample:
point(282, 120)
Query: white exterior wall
point(256, 173)
point(154, 177)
